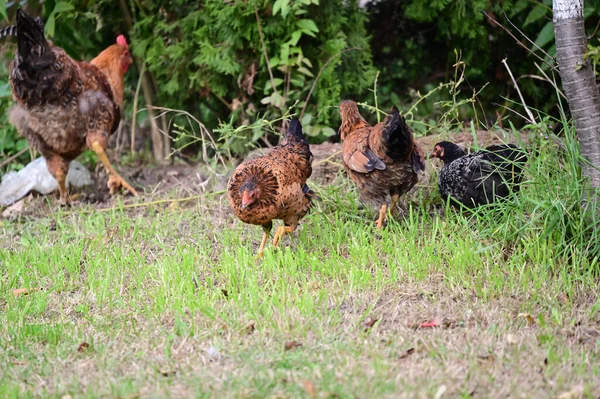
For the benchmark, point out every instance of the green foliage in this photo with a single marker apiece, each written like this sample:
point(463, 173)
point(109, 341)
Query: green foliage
point(211, 57)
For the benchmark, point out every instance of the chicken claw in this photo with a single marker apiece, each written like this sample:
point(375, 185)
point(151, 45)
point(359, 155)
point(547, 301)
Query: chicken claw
point(281, 230)
point(114, 180)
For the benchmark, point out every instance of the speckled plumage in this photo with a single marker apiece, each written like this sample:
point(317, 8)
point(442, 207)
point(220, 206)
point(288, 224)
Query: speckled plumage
point(65, 106)
point(281, 175)
point(481, 177)
point(59, 100)
point(382, 160)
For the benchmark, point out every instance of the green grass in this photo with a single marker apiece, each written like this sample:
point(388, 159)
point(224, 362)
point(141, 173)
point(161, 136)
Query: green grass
point(171, 302)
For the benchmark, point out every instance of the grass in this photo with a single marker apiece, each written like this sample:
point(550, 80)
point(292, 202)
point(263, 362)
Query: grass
point(168, 301)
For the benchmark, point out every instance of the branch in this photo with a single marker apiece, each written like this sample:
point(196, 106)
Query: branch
point(529, 113)
point(529, 40)
point(520, 43)
point(264, 48)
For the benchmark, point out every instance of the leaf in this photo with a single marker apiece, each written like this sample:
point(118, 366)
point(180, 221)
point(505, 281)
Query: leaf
point(49, 26)
point(83, 347)
point(295, 37)
point(305, 71)
point(3, 9)
point(274, 62)
point(534, 15)
point(291, 345)
point(307, 25)
point(406, 353)
point(62, 7)
point(371, 323)
point(310, 389)
point(19, 292)
point(545, 36)
point(283, 6)
point(530, 320)
point(328, 132)
point(277, 100)
point(306, 119)
point(276, 82)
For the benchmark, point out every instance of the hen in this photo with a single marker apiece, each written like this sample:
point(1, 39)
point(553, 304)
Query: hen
point(382, 160)
point(273, 186)
point(481, 177)
point(65, 106)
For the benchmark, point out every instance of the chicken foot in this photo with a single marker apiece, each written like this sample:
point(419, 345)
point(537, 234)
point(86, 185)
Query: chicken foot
point(382, 216)
point(115, 181)
point(58, 168)
point(262, 245)
point(281, 230)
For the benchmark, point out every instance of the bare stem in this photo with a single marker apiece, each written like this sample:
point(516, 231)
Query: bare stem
point(529, 113)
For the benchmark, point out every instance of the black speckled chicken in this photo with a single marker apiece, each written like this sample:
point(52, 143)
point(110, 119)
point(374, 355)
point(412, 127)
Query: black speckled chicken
point(273, 186)
point(481, 177)
point(382, 160)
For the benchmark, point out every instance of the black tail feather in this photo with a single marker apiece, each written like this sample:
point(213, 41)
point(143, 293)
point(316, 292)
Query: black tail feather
point(295, 130)
point(30, 36)
point(10, 30)
point(397, 136)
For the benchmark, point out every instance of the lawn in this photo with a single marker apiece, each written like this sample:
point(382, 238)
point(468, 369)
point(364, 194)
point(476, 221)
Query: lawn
point(168, 300)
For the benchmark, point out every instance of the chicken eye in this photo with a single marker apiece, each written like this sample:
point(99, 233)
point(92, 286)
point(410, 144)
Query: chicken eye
point(57, 66)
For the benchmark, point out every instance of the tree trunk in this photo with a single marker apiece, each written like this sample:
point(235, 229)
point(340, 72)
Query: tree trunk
point(580, 87)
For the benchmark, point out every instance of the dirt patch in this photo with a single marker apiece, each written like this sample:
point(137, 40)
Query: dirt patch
point(182, 179)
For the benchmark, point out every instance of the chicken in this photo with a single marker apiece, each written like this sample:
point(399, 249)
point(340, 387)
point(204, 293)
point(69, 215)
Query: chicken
point(481, 177)
point(382, 160)
point(65, 106)
point(273, 186)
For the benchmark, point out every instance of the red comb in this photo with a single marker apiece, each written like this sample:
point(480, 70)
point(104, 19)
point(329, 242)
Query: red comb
point(122, 41)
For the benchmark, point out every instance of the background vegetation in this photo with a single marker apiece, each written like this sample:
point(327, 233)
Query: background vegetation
point(209, 59)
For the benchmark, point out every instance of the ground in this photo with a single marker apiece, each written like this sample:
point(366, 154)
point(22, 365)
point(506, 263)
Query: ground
point(166, 299)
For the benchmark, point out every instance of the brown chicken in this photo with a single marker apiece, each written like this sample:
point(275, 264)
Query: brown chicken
point(273, 186)
point(382, 160)
point(65, 106)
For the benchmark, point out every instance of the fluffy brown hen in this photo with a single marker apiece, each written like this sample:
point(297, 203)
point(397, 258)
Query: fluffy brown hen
point(382, 160)
point(273, 186)
point(65, 106)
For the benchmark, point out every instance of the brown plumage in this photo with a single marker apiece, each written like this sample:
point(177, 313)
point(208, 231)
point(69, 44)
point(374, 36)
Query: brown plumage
point(382, 160)
point(65, 106)
point(273, 186)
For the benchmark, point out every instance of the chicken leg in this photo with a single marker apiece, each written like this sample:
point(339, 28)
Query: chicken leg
point(115, 181)
point(281, 230)
point(395, 199)
point(262, 245)
point(382, 216)
point(58, 168)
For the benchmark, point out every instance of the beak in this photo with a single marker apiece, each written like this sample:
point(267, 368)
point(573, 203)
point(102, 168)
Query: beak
point(246, 200)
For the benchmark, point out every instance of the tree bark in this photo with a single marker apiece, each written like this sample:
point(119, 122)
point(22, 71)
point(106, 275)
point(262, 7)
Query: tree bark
point(579, 83)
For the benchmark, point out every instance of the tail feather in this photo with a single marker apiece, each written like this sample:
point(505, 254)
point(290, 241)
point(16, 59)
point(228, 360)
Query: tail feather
point(295, 130)
point(30, 35)
point(397, 136)
point(10, 30)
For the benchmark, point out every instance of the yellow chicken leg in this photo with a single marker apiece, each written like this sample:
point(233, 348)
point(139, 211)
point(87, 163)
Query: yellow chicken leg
point(262, 245)
point(281, 230)
point(114, 180)
point(395, 199)
point(382, 216)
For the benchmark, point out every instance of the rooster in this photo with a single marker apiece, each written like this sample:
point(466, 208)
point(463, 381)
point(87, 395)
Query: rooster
point(273, 186)
point(66, 106)
point(382, 160)
point(481, 177)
